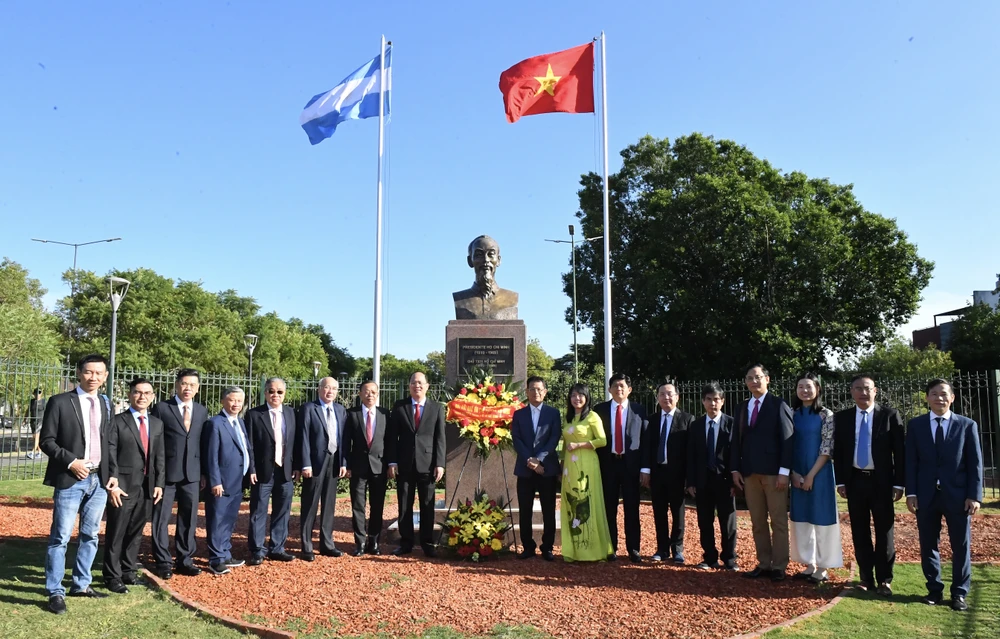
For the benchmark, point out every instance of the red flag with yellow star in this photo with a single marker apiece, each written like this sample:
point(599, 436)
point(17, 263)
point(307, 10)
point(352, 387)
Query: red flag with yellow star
point(561, 81)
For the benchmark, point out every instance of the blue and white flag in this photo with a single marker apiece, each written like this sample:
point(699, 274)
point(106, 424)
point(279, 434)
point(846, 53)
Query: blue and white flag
point(355, 98)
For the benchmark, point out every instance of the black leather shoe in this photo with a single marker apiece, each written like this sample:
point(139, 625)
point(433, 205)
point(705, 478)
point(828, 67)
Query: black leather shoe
point(132, 580)
point(958, 603)
point(548, 556)
point(777, 575)
point(526, 554)
point(756, 573)
point(372, 549)
point(865, 586)
point(885, 589)
point(163, 572)
point(89, 592)
point(402, 550)
point(933, 599)
point(359, 552)
point(234, 563)
point(612, 557)
point(430, 551)
point(280, 556)
point(186, 570)
point(117, 587)
point(308, 556)
point(57, 605)
point(255, 561)
point(731, 567)
point(335, 552)
point(634, 557)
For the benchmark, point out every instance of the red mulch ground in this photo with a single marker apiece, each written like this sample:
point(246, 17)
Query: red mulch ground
point(405, 595)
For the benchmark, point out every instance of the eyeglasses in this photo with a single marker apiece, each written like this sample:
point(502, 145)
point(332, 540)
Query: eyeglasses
point(143, 393)
point(756, 378)
point(272, 391)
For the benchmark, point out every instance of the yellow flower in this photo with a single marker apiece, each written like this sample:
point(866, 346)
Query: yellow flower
point(491, 400)
point(501, 432)
point(496, 544)
point(453, 540)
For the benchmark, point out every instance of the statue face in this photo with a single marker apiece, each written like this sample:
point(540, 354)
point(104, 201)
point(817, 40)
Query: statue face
point(484, 257)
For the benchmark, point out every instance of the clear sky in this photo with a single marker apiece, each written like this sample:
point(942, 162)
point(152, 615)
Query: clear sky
point(175, 126)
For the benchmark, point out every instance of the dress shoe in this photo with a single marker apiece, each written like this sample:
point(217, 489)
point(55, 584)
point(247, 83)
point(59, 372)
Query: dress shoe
point(660, 556)
point(255, 561)
point(373, 550)
point(612, 557)
point(218, 569)
point(131, 579)
point(933, 599)
point(334, 552)
point(777, 575)
point(163, 572)
point(634, 557)
point(402, 550)
point(817, 579)
point(234, 563)
point(865, 586)
point(708, 566)
point(679, 560)
point(430, 551)
point(187, 570)
point(885, 589)
point(89, 592)
point(731, 567)
point(526, 554)
point(308, 556)
point(801, 576)
point(116, 586)
point(958, 603)
point(548, 556)
point(57, 605)
point(359, 552)
point(280, 555)
point(756, 573)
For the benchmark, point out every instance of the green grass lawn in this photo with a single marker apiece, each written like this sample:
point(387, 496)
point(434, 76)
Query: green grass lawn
point(25, 488)
point(864, 616)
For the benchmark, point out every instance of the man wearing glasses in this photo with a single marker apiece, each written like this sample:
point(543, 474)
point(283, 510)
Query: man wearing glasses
point(272, 438)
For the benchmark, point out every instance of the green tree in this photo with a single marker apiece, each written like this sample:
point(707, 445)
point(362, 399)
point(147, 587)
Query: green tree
point(975, 339)
point(17, 288)
point(538, 361)
point(394, 368)
point(338, 360)
point(719, 260)
point(897, 358)
point(27, 332)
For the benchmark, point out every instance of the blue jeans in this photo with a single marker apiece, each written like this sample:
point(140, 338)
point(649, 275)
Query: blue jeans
point(87, 498)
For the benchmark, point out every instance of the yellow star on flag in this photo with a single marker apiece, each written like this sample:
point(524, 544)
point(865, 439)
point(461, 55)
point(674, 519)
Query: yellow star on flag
point(548, 82)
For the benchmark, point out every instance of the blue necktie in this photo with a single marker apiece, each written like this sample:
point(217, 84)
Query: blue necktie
point(710, 445)
point(243, 447)
point(863, 438)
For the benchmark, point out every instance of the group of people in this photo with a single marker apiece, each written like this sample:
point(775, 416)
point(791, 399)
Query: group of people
point(143, 460)
point(789, 462)
point(148, 458)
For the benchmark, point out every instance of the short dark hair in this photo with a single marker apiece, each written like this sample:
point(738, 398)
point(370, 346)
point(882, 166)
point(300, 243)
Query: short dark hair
point(536, 378)
point(662, 384)
point(37, 391)
point(93, 358)
point(760, 366)
point(936, 382)
point(187, 372)
point(817, 405)
point(136, 381)
point(711, 388)
point(619, 377)
point(580, 389)
point(861, 376)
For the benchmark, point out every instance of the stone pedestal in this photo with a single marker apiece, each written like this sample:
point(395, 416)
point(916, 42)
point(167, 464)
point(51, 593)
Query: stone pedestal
point(500, 345)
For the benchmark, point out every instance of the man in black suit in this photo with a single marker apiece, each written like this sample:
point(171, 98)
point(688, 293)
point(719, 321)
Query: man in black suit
point(869, 445)
point(364, 454)
point(183, 421)
point(318, 453)
point(536, 430)
point(621, 461)
point(664, 472)
point(761, 456)
point(709, 480)
point(135, 466)
point(271, 427)
point(416, 455)
point(73, 438)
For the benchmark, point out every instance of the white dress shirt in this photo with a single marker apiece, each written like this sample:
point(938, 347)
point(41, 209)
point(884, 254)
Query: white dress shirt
point(84, 398)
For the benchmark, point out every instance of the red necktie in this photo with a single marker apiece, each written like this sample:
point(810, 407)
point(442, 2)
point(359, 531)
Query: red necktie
point(369, 429)
point(753, 415)
point(619, 434)
point(144, 438)
point(416, 417)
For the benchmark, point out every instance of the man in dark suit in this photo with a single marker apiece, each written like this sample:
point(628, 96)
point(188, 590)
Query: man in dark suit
point(416, 457)
point(868, 461)
point(761, 456)
point(364, 453)
point(272, 438)
point(226, 456)
point(318, 454)
point(135, 466)
point(944, 478)
point(621, 461)
point(536, 430)
point(709, 480)
point(73, 438)
point(664, 472)
point(183, 420)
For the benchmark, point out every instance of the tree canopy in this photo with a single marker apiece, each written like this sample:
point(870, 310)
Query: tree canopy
point(897, 358)
point(975, 339)
point(26, 331)
point(719, 260)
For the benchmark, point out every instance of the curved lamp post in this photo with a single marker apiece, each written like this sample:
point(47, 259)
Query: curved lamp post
point(118, 288)
point(316, 366)
point(250, 341)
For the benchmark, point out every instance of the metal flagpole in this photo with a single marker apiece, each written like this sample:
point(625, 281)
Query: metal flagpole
point(607, 224)
point(377, 340)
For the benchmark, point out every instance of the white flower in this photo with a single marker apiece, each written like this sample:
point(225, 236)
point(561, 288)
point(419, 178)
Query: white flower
point(575, 458)
point(576, 523)
point(565, 472)
point(571, 430)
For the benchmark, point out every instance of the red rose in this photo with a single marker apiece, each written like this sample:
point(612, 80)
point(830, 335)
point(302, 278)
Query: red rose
point(464, 423)
point(500, 388)
point(479, 387)
point(494, 441)
point(465, 551)
point(464, 391)
point(488, 512)
point(453, 530)
point(468, 502)
point(485, 551)
point(493, 503)
point(514, 399)
point(485, 432)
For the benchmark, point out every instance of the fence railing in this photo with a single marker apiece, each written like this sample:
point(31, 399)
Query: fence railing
point(977, 396)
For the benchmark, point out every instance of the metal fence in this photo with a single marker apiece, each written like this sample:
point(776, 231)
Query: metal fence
point(977, 396)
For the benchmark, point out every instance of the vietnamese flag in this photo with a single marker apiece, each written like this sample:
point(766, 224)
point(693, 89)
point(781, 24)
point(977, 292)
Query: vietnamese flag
point(561, 81)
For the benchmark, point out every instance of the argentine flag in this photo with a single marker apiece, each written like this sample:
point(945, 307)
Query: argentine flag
point(355, 98)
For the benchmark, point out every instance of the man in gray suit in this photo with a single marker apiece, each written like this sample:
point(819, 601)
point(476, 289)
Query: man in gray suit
point(318, 456)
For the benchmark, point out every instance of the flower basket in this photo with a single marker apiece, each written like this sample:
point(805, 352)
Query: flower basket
point(483, 408)
point(476, 529)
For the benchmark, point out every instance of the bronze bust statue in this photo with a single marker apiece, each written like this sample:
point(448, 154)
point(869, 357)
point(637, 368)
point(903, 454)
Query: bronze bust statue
point(485, 300)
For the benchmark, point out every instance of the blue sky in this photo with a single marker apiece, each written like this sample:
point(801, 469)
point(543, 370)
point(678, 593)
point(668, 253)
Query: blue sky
point(175, 126)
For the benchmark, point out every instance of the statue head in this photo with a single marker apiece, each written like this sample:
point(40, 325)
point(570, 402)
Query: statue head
point(484, 257)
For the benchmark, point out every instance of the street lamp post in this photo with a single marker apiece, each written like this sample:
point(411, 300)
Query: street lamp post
point(250, 341)
point(316, 369)
point(118, 288)
point(572, 243)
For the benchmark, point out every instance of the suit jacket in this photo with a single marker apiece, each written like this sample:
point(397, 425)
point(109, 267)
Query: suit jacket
point(958, 465)
point(888, 446)
point(635, 433)
point(414, 450)
point(127, 458)
point(540, 445)
point(62, 439)
point(223, 458)
point(182, 448)
point(313, 442)
point(262, 441)
point(766, 447)
point(677, 444)
point(357, 457)
point(697, 463)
